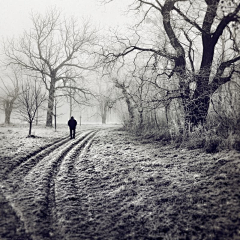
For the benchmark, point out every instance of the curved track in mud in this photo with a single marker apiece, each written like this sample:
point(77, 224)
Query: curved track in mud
point(42, 192)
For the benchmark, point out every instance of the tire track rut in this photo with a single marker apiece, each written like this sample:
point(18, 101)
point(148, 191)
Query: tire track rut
point(38, 154)
point(68, 196)
point(17, 162)
point(22, 168)
point(35, 188)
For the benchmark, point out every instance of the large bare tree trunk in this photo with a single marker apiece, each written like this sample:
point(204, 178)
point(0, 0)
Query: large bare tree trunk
point(49, 121)
point(127, 100)
point(7, 116)
point(8, 112)
point(104, 115)
point(130, 109)
point(197, 110)
point(8, 107)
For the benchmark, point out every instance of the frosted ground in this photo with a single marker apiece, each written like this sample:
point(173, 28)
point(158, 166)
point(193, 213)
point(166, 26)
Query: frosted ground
point(109, 184)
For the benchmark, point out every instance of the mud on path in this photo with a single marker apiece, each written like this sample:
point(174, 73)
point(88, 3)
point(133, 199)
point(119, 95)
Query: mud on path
point(107, 184)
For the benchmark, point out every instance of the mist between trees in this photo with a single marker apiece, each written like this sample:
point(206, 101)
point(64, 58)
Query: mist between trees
point(172, 74)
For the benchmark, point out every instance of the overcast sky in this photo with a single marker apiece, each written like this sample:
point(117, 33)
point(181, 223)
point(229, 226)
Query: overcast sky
point(15, 14)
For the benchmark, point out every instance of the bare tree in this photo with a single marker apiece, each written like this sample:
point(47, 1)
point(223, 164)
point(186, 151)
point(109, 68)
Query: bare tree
point(30, 100)
point(193, 29)
point(123, 86)
point(105, 104)
point(9, 94)
point(104, 98)
point(57, 50)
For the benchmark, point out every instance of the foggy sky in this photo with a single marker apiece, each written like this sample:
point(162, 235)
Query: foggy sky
point(15, 14)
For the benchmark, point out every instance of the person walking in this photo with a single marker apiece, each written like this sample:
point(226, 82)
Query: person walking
point(72, 123)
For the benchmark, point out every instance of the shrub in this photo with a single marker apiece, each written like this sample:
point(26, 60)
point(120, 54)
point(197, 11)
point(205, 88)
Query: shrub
point(211, 138)
point(236, 145)
point(195, 139)
point(233, 141)
point(213, 144)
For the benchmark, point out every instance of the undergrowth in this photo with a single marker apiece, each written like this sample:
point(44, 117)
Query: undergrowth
point(207, 137)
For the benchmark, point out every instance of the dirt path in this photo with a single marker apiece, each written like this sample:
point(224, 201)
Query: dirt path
point(35, 186)
point(107, 184)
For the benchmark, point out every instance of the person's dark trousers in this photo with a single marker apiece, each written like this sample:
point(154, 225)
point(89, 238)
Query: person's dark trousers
point(72, 133)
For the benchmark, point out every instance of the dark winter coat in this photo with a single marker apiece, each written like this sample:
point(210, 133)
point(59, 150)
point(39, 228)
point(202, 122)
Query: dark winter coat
point(72, 123)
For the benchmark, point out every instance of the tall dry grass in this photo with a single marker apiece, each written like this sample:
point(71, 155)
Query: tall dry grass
point(214, 136)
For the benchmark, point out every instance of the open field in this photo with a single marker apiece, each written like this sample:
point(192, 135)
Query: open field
point(108, 184)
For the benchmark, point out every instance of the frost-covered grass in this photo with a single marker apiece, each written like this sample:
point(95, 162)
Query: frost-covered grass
point(14, 138)
point(131, 188)
point(160, 192)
